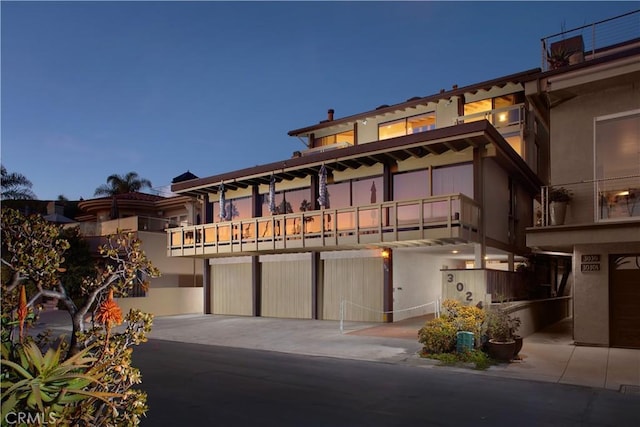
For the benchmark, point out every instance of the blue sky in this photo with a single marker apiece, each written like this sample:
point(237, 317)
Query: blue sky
point(95, 88)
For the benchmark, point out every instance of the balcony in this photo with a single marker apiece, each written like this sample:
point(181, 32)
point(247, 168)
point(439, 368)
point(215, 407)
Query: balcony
point(131, 223)
point(606, 210)
point(509, 118)
point(591, 41)
point(435, 220)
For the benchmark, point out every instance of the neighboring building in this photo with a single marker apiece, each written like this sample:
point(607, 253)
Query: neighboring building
point(592, 107)
point(179, 288)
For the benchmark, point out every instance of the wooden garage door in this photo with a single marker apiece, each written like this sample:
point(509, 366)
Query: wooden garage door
point(358, 282)
point(231, 289)
point(624, 279)
point(286, 289)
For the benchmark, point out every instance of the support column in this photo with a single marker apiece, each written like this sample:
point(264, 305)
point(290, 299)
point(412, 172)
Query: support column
point(317, 277)
point(479, 252)
point(206, 286)
point(387, 292)
point(480, 248)
point(511, 262)
point(206, 267)
point(256, 285)
point(314, 192)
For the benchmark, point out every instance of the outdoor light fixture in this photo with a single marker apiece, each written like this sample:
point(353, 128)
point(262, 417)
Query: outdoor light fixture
point(385, 253)
point(502, 117)
point(454, 251)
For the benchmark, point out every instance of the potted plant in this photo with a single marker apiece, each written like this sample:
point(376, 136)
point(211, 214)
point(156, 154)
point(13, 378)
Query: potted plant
point(558, 199)
point(501, 328)
point(558, 57)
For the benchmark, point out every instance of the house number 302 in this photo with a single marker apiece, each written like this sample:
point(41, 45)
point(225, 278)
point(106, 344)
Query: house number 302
point(460, 288)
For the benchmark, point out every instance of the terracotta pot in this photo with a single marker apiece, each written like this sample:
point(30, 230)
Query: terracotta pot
point(502, 351)
point(518, 340)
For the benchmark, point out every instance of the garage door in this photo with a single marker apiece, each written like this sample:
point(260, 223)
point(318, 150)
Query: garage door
point(359, 283)
point(625, 300)
point(286, 286)
point(231, 289)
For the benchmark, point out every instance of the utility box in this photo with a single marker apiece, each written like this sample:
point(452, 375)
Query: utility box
point(464, 341)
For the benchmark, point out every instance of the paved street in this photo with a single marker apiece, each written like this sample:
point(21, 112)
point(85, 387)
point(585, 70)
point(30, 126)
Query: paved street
point(194, 384)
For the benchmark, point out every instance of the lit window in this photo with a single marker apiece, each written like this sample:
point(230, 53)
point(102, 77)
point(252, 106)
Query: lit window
point(337, 138)
point(617, 171)
point(407, 126)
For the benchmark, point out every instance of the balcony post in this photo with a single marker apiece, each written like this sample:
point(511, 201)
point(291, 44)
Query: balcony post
point(387, 292)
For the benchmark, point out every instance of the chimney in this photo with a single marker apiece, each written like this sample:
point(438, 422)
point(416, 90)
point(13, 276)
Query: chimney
point(55, 208)
point(330, 115)
point(455, 87)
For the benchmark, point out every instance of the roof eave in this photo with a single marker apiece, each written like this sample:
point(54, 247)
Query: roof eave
point(521, 76)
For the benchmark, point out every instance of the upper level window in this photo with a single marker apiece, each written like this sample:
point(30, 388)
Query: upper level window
point(500, 111)
point(617, 165)
point(407, 126)
point(336, 138)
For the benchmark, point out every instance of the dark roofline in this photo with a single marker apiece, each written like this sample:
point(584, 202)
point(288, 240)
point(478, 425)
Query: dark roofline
point(521, 76)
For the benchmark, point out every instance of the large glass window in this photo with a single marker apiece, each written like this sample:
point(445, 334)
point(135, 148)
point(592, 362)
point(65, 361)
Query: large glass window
point(450, 180)
point(407, 126)
point(367, 191)
point(453, 179)
point(392, 129)
point(337, 138)
point(407, 186)
point(234, 208)
point(411, 185)
point(339, 195)
point(617, 165)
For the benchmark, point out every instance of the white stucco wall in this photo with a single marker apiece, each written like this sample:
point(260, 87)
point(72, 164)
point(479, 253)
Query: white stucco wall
point(417, 280)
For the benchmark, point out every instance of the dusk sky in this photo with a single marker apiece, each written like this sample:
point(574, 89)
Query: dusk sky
point(95, 88)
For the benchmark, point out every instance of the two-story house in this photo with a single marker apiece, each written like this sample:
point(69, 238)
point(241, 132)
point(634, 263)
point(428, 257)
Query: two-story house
point(178, 290)
point(592, 106)
point(362, 223)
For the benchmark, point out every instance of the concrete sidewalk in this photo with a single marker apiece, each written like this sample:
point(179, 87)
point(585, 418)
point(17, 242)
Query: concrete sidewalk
point(548, 355)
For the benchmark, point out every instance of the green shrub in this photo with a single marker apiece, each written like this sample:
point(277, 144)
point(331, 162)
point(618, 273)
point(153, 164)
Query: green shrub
point(466, 318)
point(478, 358)
point(438, 335)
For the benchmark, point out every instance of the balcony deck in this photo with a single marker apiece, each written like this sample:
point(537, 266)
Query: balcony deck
point(438, 220)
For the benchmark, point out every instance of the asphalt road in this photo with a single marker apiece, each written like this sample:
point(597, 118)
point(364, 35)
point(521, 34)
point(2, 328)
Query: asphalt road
point(201, 385)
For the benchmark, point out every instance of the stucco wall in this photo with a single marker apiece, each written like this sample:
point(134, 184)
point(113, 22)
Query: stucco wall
point(166, 301)
point(591, 293)
point(496, 201)
point(417, 280)
point(171, 268)
point(572, 142)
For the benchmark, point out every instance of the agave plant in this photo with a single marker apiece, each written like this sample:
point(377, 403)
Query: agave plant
point(43, 382)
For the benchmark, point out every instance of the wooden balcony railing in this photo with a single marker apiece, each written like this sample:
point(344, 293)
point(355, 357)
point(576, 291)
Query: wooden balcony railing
point(431, 219)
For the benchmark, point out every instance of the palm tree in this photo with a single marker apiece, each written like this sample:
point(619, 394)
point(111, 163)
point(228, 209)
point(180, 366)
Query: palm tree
point(15, 186)
point(120, 184)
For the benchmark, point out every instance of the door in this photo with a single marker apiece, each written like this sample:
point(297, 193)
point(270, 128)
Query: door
point(624, 297)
